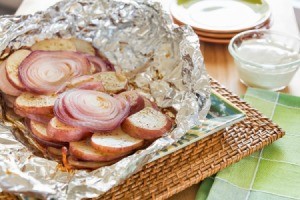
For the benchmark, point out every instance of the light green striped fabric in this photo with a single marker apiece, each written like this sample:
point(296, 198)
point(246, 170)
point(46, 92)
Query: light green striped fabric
point(274, 172)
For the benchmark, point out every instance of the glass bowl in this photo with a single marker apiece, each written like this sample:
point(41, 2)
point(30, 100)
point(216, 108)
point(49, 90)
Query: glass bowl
point(265, 59)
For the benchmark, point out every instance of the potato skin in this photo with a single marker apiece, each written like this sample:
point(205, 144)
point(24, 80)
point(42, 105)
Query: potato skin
point(33, 109)
point(12, 65)
point(112, 150)
point(83, 151)
point(39, 134)
point(117, 133)
point(135, 100)
point(36, 117)
point(65, 133)
point(77, 164)
point(47, 110)
point(144, 133)
point(43, 139)
point(45, 143)
point(113, 82)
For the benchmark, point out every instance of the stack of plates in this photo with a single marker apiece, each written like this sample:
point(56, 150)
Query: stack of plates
point(217, 21)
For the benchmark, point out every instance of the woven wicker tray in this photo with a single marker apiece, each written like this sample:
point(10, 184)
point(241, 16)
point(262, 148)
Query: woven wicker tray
point(177, 171)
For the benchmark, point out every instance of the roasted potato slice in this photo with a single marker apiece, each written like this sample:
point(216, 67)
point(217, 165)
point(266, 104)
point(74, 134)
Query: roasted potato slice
point(54, 45)
point(12, 67)
point(113, 82)
point(88, 165)
point(135, 100)
point(65, 133)
point(86, 82)
point(83, 46)
point(147, 124)
point(40, 130)
point(35, 104)
point(115, 141)
point(5, 85)
point(84, 151)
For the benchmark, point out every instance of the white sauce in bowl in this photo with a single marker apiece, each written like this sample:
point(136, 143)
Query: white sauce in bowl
point(265, 56)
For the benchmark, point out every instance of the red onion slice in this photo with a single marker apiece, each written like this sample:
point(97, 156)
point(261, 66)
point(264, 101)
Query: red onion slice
point(46, 72)
point(5, 85)
point(91, 109)
point(99, 64)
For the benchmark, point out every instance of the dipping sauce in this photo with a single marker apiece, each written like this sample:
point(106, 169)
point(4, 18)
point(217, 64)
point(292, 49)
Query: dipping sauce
point(264, 61)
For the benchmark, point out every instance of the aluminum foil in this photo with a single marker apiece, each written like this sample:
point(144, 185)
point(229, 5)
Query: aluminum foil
point(162, 60)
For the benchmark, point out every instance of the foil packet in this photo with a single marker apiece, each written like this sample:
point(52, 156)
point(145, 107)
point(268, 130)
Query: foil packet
point(162, 60)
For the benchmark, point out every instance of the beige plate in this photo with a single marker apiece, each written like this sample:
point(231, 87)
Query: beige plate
point(222, 40)
point(217, 16)
point(266, 25)
point(229, 35)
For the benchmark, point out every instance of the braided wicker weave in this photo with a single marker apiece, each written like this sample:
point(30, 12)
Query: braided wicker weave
point(175, 172)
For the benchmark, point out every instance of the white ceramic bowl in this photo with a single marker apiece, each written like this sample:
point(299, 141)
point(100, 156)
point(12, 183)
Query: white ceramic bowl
point(265, 59)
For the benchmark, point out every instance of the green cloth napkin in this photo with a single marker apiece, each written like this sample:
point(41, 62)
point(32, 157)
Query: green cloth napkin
point(272, 173)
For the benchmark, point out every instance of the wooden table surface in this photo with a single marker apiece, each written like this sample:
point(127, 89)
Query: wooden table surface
point(219, 63)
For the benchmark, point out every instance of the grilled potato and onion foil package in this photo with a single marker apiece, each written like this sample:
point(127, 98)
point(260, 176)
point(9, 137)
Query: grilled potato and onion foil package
point(161, 59)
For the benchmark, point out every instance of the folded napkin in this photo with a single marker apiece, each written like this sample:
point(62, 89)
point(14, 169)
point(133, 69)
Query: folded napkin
point(272, 173)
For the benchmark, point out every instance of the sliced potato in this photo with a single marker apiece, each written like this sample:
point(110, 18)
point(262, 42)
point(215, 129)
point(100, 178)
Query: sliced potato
point(83, 46)
point(78, 81)
point(84, 151)
point(53, 144)
point(46, 144)
point(40, 130)
point(65, 133)
point(54, 45)
point(88, 165)
point(147, 124)
point(135, 100)
point(115, 141)
point(86, 82)
point(113, 82)
point(12, 67)
point(5, 86)
point(45, 119)
point(35, 104)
